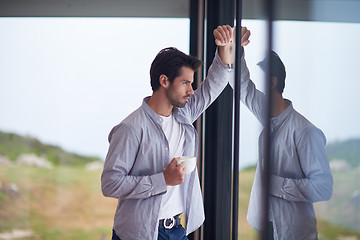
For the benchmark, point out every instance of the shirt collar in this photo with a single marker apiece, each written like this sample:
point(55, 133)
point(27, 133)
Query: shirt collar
point(276, 121)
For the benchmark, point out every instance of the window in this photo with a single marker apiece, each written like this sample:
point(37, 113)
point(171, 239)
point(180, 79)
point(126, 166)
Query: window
point(321, 81)
point(65, 82)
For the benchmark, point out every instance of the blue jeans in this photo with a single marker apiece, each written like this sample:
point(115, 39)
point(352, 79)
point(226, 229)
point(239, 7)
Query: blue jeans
point(176, 233)
point(114, 236)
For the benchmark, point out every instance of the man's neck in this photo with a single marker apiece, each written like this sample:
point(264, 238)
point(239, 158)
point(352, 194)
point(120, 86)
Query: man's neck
point(278, 105)
point(160, 104)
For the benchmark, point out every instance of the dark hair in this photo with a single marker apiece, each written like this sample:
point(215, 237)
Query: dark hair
point(277, 70)
point(169, 62)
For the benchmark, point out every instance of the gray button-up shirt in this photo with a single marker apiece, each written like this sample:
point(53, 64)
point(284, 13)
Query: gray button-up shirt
point(138, 154)
point(300, 171)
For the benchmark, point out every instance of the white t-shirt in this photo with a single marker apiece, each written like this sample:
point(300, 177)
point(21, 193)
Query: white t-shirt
point(172, 202)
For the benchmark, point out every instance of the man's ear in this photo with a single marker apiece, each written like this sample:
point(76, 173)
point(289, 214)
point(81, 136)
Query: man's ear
point(164, 81)
point(273, 82)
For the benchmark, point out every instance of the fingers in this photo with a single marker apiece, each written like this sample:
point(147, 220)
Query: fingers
point(174, 174)
point(245, 34)
point(223, 35)
point(174, 161)
point(180, 167)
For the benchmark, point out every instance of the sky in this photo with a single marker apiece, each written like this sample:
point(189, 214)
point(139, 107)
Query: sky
point(68, 81)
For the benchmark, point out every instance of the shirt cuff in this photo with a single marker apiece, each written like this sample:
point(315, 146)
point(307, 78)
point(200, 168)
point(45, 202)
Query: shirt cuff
point(158, 183)
point(276, 186)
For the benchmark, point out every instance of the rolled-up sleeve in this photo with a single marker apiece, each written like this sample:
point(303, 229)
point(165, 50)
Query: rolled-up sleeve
point(318, 182)
point(115, 179)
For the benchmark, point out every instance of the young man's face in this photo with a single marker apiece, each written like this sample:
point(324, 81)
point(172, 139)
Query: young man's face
point(180, 89)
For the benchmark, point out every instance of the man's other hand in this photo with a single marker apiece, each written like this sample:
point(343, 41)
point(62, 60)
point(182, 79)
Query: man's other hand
point(174, 174)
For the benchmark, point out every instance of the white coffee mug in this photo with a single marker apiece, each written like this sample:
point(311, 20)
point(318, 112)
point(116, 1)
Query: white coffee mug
point(189, 163)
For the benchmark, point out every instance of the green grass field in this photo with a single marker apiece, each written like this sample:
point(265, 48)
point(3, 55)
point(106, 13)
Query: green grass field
point(60, 203)
point(67, 203)
point(337, 219)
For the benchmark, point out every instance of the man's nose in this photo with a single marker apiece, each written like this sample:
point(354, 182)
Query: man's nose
point(190, 91)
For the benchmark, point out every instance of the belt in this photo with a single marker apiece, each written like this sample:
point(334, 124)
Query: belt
point(169, 223)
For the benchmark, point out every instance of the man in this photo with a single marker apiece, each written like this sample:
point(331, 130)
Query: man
point(141, 168)
point(299, 169)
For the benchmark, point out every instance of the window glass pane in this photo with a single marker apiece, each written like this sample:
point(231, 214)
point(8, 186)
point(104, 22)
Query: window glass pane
point(250, 127)
point(321, 63)
point(64, 83)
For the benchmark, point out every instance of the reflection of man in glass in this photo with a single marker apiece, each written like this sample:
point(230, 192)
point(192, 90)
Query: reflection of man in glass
point(299, 169)
point(141, 168)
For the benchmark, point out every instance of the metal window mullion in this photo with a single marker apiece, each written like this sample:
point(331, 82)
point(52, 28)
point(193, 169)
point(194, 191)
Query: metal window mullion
point(269, 14)
point(236, 159)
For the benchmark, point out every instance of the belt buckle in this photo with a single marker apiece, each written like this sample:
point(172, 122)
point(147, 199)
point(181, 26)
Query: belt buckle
point(172, 222)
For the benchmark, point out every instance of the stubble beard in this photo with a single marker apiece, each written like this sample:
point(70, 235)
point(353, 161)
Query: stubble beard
point(172, 98)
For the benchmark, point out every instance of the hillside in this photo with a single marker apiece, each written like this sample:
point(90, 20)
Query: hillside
point(13, 145)
point(348, 150)
point(59, 203)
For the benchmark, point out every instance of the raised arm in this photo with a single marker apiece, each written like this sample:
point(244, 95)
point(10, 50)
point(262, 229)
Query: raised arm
point(217, 75)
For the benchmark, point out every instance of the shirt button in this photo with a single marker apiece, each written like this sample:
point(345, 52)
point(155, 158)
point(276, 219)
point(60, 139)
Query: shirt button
point(166, 148)
point(160, 119)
